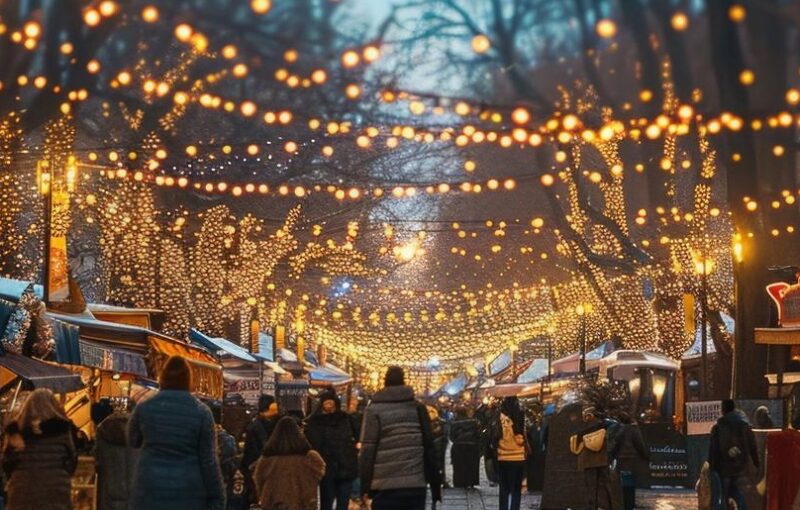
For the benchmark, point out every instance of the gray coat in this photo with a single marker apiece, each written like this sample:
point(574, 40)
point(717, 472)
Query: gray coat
point(392, 452)
point(178, 468)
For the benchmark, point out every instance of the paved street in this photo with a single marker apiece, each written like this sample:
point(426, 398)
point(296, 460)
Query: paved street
point(486, 498)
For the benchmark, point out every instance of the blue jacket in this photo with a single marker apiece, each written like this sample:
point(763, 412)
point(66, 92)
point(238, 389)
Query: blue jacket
point(178, 467)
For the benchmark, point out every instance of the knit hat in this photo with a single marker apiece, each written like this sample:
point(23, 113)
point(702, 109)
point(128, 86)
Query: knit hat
point(176, 374)
point(330, 395)
point(264, 401)
point(395, 376)
point(272, 410)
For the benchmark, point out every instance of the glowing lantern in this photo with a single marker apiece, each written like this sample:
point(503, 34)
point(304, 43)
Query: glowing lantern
point(606, 28)
point(481, 44)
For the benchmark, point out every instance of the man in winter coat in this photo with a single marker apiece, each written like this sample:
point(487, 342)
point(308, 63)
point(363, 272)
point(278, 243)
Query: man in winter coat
point(330, 432)
point(115, 462)
point(397, 458)
point(733, 445)
point(256, 436)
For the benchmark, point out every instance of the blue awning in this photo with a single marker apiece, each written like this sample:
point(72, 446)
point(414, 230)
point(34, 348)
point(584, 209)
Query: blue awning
point(220, 347)
point(328, 374)
point(38, 374)
point(13, 289)
point(535, 371)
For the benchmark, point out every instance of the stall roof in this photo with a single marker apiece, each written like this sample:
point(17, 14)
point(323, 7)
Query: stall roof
point(37, 374)
point(329, 374)
point(536, 370)
point(12, 289)
point(220, 347)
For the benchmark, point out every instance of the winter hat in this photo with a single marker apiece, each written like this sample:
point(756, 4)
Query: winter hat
point(264, 401)
point(330, 395)
point(272, 410)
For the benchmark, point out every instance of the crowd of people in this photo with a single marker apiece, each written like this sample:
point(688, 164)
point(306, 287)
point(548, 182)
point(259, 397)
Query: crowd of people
point(171, 452)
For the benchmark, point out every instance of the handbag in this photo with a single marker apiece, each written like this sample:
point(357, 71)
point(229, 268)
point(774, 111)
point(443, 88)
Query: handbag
point(594, 441)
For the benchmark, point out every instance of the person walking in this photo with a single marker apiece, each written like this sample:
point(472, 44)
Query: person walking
point(629, 450)
point(330, 432)
point(397, 459)
point(465, 454)
point(508, 441)
point(228, 456)
point(439, 440)
point(288, 472)
point(255, 437)
point(39, 456)
point(115, 462)
point(732, 448)
point(178, 466)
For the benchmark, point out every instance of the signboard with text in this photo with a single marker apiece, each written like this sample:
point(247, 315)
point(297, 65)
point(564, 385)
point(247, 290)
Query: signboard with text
point(701, 416)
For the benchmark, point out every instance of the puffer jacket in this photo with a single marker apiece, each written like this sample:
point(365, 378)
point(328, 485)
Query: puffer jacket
point(333, 437)
point(178, 467)
point(115, 462)
point(39, 466)
point(392, 451)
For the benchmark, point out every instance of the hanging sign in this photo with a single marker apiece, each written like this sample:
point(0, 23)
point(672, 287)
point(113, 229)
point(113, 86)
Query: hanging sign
point(787, 299)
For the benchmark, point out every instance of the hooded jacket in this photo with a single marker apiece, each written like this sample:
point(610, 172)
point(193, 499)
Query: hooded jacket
point(392, 453)
point(732, 443)
point(39, 466)
point(116, 463)
point(332, 435)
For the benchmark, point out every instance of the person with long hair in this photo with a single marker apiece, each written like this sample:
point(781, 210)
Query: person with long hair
point(289, 470)
point(39, 455)
point(178, 467)
point(509, 442)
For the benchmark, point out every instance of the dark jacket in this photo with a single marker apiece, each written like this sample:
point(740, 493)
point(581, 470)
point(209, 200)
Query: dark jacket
point(39, 466)
point(393, 448)
point(732, 443)
point(256, 436)
point(628, 447)
point(115, 462)
point(465, 430)
point(333, 437)
point(178, 468)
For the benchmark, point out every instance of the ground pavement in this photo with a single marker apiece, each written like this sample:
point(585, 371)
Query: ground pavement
point(486, 497)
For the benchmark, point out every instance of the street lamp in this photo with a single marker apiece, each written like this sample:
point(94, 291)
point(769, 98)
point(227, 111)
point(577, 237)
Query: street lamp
point(704, 267)
point(583, 310)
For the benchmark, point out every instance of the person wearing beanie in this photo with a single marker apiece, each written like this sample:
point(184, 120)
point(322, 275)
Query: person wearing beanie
point(330, 432)
point(398, 457)
point(178, 466)
point(256, 436)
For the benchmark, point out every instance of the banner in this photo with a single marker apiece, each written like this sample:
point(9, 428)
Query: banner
point(58, 264)
point(701, 416)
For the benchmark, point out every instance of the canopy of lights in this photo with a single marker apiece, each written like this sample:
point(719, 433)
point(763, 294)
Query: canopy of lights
point(397, 183)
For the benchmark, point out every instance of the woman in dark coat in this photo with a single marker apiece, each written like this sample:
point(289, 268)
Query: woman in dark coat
point(39, 456)
point(115, 462)
point(465, 454)
point(439, 440)
point(330, 432)
point(178, 467)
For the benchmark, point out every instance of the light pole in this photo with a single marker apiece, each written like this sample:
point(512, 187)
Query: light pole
point(704, 267)
point(582, 311)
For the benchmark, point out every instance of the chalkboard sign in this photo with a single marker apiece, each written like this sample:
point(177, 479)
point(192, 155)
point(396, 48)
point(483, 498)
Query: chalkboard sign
point(669, 463)
point(564, 483)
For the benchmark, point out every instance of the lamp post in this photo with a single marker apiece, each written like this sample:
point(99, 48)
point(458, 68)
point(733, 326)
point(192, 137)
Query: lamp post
point(704, 267)
point(582, 310)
